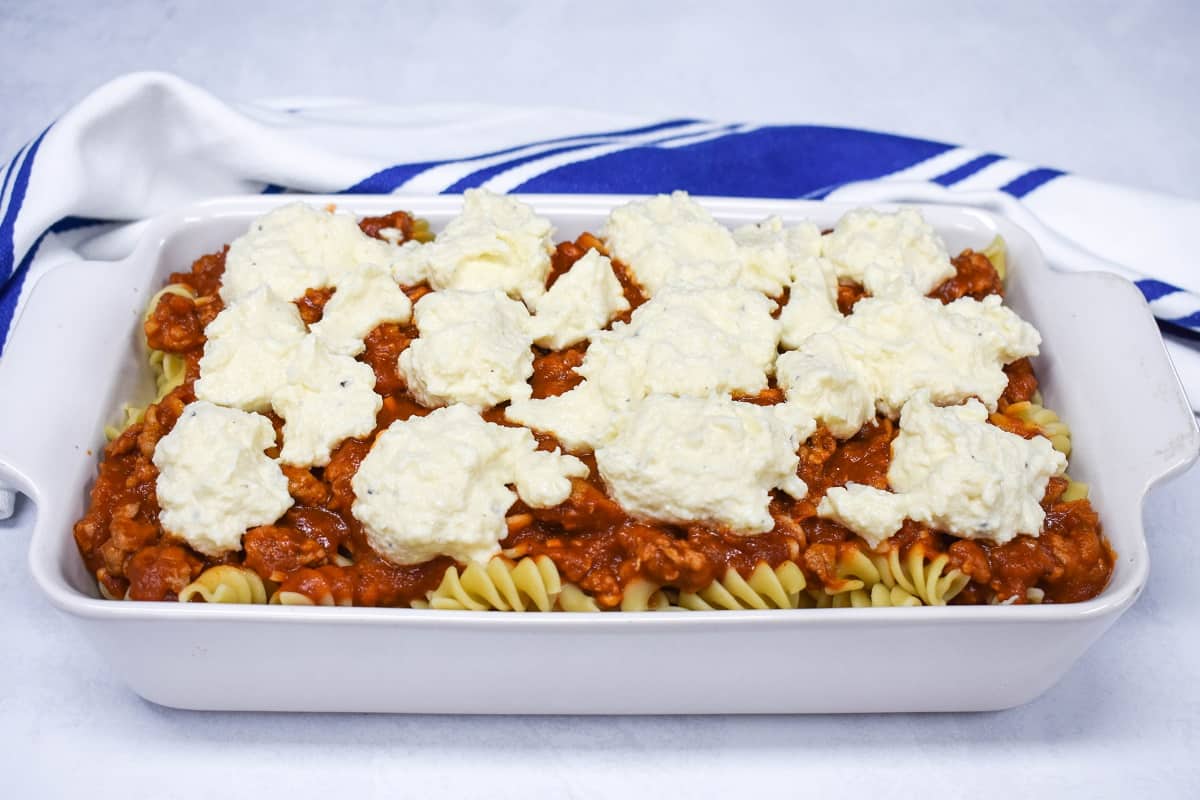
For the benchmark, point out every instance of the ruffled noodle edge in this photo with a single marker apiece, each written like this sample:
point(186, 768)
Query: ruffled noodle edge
point(1033, 414)
point(168, 369)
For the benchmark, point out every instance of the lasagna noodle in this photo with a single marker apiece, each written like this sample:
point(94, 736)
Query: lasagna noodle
point(766, 587)
point(533, 583)
point(997, 253)
point(1032, 414)
point(226, 583)
point(168, 369)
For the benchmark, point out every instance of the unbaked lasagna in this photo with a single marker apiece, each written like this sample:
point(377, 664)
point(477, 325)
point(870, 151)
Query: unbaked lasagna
point(668, 414)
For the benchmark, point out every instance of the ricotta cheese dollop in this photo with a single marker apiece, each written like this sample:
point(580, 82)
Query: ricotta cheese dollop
point(439, 485)
point(363, 300)
point(884, 251)
point(684, 342)
point(890, 348)
point(824, 380)
point(812, 302)
point(474, 348)
point(497, 242)
point(580, 302)
point(214, 480)
point(671, 240)
point(955, 472)
point(328, 397)
point(704, 459)
point(297, 247)
point(770, 253)
point(689, 342)
point(247, 351)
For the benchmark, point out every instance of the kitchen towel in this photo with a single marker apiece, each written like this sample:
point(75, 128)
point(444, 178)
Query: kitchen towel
point(148, 142)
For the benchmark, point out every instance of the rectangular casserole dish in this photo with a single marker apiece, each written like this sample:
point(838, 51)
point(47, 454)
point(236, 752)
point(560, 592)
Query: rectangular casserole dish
point(77, 354)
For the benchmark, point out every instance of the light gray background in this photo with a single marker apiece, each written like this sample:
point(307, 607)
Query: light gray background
point(1104, 89)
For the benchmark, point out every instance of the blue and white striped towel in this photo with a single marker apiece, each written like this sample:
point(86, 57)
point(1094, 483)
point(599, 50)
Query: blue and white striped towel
point(148, 142)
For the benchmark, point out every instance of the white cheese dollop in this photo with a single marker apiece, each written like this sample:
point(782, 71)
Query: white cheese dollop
point(673, 241)
point(579, 419)
point(214, 481)
point(496, 243)
point(812, 302)
point(298, 247)
point(893, 347)
point(474, 348)
point(821, 379)
point(689, 342)
point(411, 263)
point(247, 351)
point(580, 302)
point(770, 253)
point(885, 251)
point(955, 472)
point(670, 240)
point(712, 460)
point(438, 485)
point(363, 300)
point(328, 397)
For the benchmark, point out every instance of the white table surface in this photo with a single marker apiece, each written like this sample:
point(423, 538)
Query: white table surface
point(1104, 89)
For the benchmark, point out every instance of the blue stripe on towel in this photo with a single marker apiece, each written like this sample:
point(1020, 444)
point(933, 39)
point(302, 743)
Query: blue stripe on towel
point(480, 177)
point(966, 170)
point(1154, 289)
point(773, 161)
point(1024, 184)
point(9, 171)
point(11, 292)
point(580, 137)
point(8, 222)
point(72, 223)
point(1190, 321)
point(387, 180)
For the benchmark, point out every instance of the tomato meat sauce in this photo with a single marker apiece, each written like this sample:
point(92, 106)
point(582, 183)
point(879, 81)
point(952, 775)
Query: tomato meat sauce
point(318, 550)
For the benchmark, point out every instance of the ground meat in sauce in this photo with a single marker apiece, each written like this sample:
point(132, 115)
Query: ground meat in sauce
point(384, 345)
point(312, 304)
point(160, 572)
point(397, 220)
point(554, 371)
point(174, 325)
point(974, 276)
point(1022, 383)
point(847, 295)
point(591, 540)
point(770, 396)
point(204, 278)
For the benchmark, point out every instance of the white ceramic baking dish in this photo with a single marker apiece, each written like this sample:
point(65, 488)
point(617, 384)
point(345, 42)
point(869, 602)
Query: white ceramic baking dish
point(77, 354)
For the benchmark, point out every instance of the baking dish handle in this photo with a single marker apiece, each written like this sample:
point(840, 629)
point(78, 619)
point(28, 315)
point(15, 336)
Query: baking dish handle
point(1170, 440)
point(45, 369)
